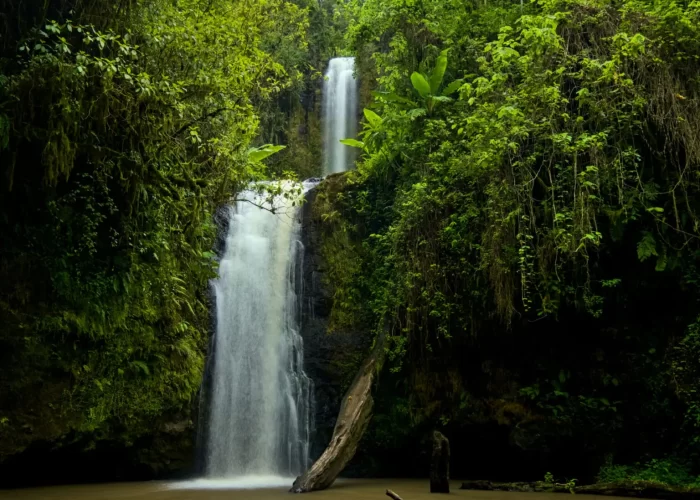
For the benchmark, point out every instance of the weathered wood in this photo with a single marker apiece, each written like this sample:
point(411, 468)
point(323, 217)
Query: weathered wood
point(489, 486)
point(353, 417)
point(393, 495)
point(440, 464)
point(640, 489)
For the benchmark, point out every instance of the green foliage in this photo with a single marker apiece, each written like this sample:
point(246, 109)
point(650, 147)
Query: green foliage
point(341, 251)
point(685, 370)
point(119, 136)
point(667, 471)
point(553, 183)
point(522, 174)
point(438, 72)
point(353, 143)
point(420, 84)
point(428, 88)
point(262, 152)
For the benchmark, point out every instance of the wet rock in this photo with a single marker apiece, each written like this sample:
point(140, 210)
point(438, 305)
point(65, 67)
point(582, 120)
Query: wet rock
point(440, 464)
point(330, 359)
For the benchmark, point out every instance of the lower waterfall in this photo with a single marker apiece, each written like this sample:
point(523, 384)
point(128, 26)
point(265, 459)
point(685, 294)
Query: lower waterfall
point(259, 403)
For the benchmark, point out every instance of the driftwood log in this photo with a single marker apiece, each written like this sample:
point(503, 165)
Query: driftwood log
point(353, 417)
point(639, 489)
point(393, 495)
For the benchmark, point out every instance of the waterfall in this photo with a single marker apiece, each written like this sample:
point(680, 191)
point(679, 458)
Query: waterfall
point(340, 114)
point(259, 403)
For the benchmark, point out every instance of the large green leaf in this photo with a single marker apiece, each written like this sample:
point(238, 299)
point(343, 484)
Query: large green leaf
point(142, 366)
point(420, 84)
point(441, 98)
point(373, 118)
point(452, 87)
point(416, 112)
point(438, 72)
point(353, 143)
point(391, 97)
point(646, 246)
point(257, 154)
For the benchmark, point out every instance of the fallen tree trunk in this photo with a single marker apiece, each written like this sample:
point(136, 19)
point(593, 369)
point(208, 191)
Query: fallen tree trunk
point(640, 489)
point(393, 495)
point(353, 417)
point(525, 487)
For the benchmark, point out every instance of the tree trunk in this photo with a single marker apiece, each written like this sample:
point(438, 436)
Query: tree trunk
point(353, 417)
point(393, 495)
point(440, 464)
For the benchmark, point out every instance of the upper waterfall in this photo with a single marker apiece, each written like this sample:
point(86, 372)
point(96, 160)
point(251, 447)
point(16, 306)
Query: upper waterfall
point(340, 114)
point(259, 406)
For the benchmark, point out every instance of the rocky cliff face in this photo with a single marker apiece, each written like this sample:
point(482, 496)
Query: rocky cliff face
point(330, 359)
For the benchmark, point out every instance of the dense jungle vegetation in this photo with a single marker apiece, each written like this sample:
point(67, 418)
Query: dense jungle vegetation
point(123, 125)
point(523, 216)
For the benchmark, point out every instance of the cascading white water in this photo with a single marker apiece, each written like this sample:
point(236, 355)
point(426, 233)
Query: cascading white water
point(259, 408)
point(340, 113)
point(258, 403)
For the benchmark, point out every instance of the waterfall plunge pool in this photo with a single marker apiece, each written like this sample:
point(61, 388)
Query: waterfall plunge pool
point(343, 489)
point(250, 482)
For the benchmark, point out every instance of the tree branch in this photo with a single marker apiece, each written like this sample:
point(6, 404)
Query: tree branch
point(214, 113)
point(393, 495)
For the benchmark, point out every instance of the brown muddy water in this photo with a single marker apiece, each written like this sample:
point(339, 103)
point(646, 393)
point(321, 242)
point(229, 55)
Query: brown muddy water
point(343, 489)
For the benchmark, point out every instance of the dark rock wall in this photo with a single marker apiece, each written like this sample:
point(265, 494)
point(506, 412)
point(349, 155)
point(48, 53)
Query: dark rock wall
point(330, 358)
point(166, 453)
